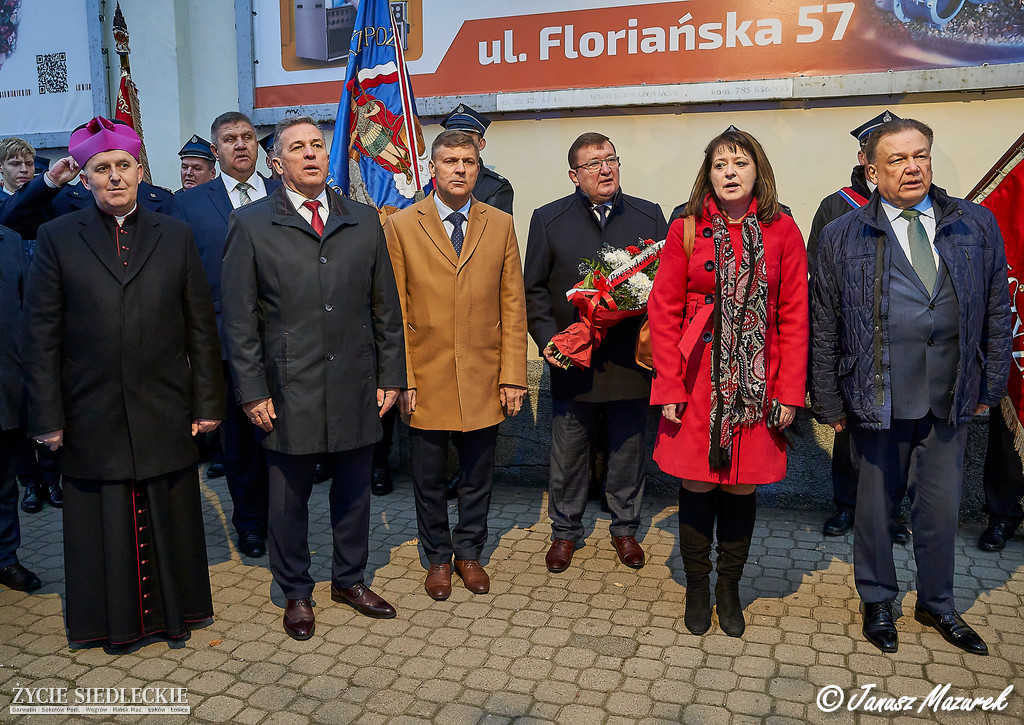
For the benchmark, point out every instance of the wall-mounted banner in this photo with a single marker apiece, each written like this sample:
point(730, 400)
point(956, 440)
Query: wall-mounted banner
point(464, 47)
point(47, 69)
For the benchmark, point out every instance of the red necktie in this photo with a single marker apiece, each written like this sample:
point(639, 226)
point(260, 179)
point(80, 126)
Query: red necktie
point(316, 222)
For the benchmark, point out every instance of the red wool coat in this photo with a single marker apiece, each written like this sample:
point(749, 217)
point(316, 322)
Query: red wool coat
point(682, 288)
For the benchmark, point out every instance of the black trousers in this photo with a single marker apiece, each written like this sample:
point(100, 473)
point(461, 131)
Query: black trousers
point(245, 467)
point(924, 459)
point(844, 471)
point(10, 524)
point(382, 450)
point(429, 449)
point(36, 463)
point(291, 481)
point(1004, 474)
point(573, 432)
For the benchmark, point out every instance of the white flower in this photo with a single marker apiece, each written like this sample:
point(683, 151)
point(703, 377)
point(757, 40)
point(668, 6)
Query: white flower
point(640, 285)
point(615, 257)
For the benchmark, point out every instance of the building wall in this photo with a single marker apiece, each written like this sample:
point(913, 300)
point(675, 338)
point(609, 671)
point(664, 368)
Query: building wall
point(184, 61)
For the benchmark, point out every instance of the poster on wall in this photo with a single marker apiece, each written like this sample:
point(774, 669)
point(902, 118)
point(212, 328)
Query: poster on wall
point(466, 47)
point(49, 51)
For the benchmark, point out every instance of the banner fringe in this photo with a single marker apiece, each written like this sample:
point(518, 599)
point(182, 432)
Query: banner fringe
point(1015, 426)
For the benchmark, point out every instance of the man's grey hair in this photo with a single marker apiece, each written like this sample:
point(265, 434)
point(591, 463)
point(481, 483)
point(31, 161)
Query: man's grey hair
point(224, 119)
point(288, 123)
point(892, 127)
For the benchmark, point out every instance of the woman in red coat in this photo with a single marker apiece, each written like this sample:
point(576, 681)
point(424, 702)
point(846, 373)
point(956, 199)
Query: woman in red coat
point(729, 331)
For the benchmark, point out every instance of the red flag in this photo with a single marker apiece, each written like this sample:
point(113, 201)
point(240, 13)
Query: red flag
point(1002, 192)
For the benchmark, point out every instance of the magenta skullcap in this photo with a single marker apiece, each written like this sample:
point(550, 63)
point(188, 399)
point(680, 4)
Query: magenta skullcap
point(102, 134)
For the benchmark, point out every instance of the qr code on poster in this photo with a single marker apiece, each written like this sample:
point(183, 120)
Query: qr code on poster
point(52, 69)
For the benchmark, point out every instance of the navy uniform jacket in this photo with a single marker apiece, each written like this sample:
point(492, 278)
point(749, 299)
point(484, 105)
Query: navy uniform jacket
point(12, 290)
point(562, 234)
point(36, 203)
point(207, 208)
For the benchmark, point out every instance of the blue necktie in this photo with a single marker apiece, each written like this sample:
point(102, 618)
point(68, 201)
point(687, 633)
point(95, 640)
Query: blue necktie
point(602, 214)
point(456, 219)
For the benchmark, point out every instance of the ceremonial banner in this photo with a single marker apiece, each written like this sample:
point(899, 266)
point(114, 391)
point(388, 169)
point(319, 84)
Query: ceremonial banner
point(127, 107)
point(462, 47)
point(1002, 191)
point(378, 146)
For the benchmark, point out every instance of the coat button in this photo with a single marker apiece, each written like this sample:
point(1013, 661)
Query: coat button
point(706, 232)
point(931, 343)
point(708, 299)
point(706, 337)
point(931, 305)
point(709, 266)
point(323, 260)
point(328, 307)
point(330, 356)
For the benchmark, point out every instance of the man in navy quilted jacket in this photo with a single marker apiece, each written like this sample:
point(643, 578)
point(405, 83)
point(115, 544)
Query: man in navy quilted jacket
point(911, 340)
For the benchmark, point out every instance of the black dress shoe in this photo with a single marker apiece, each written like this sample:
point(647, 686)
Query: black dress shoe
point(55, 495)
point(251, 544)
point(32, 503)
point(299, 621)
point(838, 524)
point(899, 532)
point(994, 538)
point(880, 625)
point(215, 470)
point(18, 577)
point(320, 473)
point(381, 483)
point(116, 648)
point(363, 601)
point(953, 629)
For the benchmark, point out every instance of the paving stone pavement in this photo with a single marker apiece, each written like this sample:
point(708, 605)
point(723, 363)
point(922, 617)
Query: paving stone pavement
point(599, 643)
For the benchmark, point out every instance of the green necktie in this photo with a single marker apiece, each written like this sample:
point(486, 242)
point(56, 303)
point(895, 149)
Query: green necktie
point(243, 192)
point(921, 255)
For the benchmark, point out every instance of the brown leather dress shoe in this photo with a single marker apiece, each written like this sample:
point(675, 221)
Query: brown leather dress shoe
point(439, 581)
point(629, 551)
point(473, 575)
point(363, 601)
point(299, 622)
point(559, 555)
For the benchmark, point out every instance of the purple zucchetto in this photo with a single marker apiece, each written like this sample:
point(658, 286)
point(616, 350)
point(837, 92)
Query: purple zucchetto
point(102, 134)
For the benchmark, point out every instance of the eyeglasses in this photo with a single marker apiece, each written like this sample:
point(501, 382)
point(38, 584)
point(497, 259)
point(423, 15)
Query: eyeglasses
point(594, 166)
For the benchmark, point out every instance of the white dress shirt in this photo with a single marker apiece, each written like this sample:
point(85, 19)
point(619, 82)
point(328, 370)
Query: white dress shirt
point(258, 190)
point(900, 225)
point(443, 211)
point(298, 200)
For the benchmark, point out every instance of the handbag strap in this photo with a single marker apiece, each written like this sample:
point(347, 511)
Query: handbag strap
point(689, 234)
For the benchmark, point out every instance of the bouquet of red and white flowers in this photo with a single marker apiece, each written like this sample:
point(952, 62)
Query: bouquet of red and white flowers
point(615, 286)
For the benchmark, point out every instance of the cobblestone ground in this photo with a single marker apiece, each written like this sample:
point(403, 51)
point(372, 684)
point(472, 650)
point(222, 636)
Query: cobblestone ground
point(599, 643)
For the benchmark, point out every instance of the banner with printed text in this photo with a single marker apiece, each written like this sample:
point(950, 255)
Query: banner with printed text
point(462, 47)
point(45, 67)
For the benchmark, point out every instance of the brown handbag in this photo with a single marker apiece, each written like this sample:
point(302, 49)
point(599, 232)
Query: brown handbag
point(644, 355)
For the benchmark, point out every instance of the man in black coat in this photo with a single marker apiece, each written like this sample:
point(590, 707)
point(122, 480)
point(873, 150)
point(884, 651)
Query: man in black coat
point(844, 457)
point(614, 388)
point(125, 371)
point(314, 334)
point(206, 208)
point(13, 574)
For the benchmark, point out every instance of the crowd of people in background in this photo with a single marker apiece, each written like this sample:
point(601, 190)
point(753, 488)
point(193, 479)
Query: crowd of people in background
point(288, 322)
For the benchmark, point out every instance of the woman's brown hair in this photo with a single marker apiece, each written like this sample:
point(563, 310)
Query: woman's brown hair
point(764, 190)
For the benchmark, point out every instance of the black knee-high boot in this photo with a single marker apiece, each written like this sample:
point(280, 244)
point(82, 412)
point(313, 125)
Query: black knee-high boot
point(696, 529)
point(735, 527)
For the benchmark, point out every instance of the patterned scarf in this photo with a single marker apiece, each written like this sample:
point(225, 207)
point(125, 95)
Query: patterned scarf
point(738, 366)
